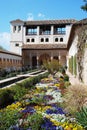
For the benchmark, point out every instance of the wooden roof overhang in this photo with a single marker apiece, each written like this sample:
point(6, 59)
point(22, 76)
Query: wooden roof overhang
point(44, 47)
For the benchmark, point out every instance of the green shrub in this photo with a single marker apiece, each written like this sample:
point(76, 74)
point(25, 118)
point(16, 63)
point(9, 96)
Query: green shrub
point(52, 66)
point(81, 117)
point(6, 97)
point(35, 121)
point(38, 100)
point(8, 118)
point(30, 82)
point(18, 91)
point(71, 64)
point(75, 65)
point(66, 77)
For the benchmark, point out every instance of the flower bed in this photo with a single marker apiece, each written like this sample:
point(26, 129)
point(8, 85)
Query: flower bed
point(40, 109)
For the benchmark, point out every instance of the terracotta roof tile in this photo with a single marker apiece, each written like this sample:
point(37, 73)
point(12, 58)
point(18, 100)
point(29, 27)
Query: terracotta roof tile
point(45, 22)
point(8, 52)
point(44, 46)
point(16, 21)
point(50, 22)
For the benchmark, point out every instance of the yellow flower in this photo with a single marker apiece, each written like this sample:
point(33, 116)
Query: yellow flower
point(71, 125)
point(38, 108)
point(57, 85)
point(13, 106)
point(66, 127)
point(56, 123)
point(75, 128)
point(47, 116)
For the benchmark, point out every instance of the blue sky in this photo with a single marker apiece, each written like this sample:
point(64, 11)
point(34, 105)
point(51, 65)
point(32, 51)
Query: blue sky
point(36, 10)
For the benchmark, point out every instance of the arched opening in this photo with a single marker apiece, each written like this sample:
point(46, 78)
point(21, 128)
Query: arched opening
point(43, 57)
point(34, 61)
point(42, 39)
point(32, 40)
point(56, 39)
point(63, 60)
point(47, 40)
point(56, 58)
point(61, 39)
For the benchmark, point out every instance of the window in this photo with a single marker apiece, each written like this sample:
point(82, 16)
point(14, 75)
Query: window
point(14, 28)
point(59, 30)
point(28, 40)
point(19, 28)
point(32, 40)
point(61, 39)
point(42, 39)
point(47, 40)
point(31, 31)
point(45, 30)
point(56, 39)
point(16, 44)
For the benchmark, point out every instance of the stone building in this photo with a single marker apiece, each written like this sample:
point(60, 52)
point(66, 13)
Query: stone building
point(77, 50)
point(39, 40)
point(10, 61)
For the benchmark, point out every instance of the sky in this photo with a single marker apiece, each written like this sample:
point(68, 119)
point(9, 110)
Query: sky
point(36, 10)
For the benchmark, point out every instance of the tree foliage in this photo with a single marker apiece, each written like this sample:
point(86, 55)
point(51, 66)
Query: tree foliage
point(84, 7)
point(52, 66)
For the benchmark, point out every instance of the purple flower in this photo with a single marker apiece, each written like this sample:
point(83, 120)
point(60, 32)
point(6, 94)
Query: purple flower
point(15, 128)
point(55, 110)
point(48, 97)
point(48, 125)
point(29, 109)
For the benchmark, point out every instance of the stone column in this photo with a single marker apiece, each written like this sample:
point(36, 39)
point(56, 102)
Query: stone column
point(38, 33)
point(30, 60)
point(51, 56)
point(37, 61)
point(38, 30)
point(24, 34)
point(59, 56)
point(52, 30)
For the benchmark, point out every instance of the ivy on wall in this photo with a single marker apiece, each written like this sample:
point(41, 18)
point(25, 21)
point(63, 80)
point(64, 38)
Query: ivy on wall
point(73, 65)
point(82, 37)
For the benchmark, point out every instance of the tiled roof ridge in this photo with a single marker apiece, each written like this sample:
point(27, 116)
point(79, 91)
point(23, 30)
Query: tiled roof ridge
point(44, 46)
point(52, 20)
point(9, 52)
point(46, 21)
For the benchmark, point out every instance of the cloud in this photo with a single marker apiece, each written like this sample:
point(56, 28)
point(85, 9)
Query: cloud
point(30, 17)
point(5, 40)
point(41, 15)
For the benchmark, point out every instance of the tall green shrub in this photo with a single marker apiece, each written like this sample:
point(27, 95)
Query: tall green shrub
point(52, 66)
point(74, 65)
point(71, 64)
